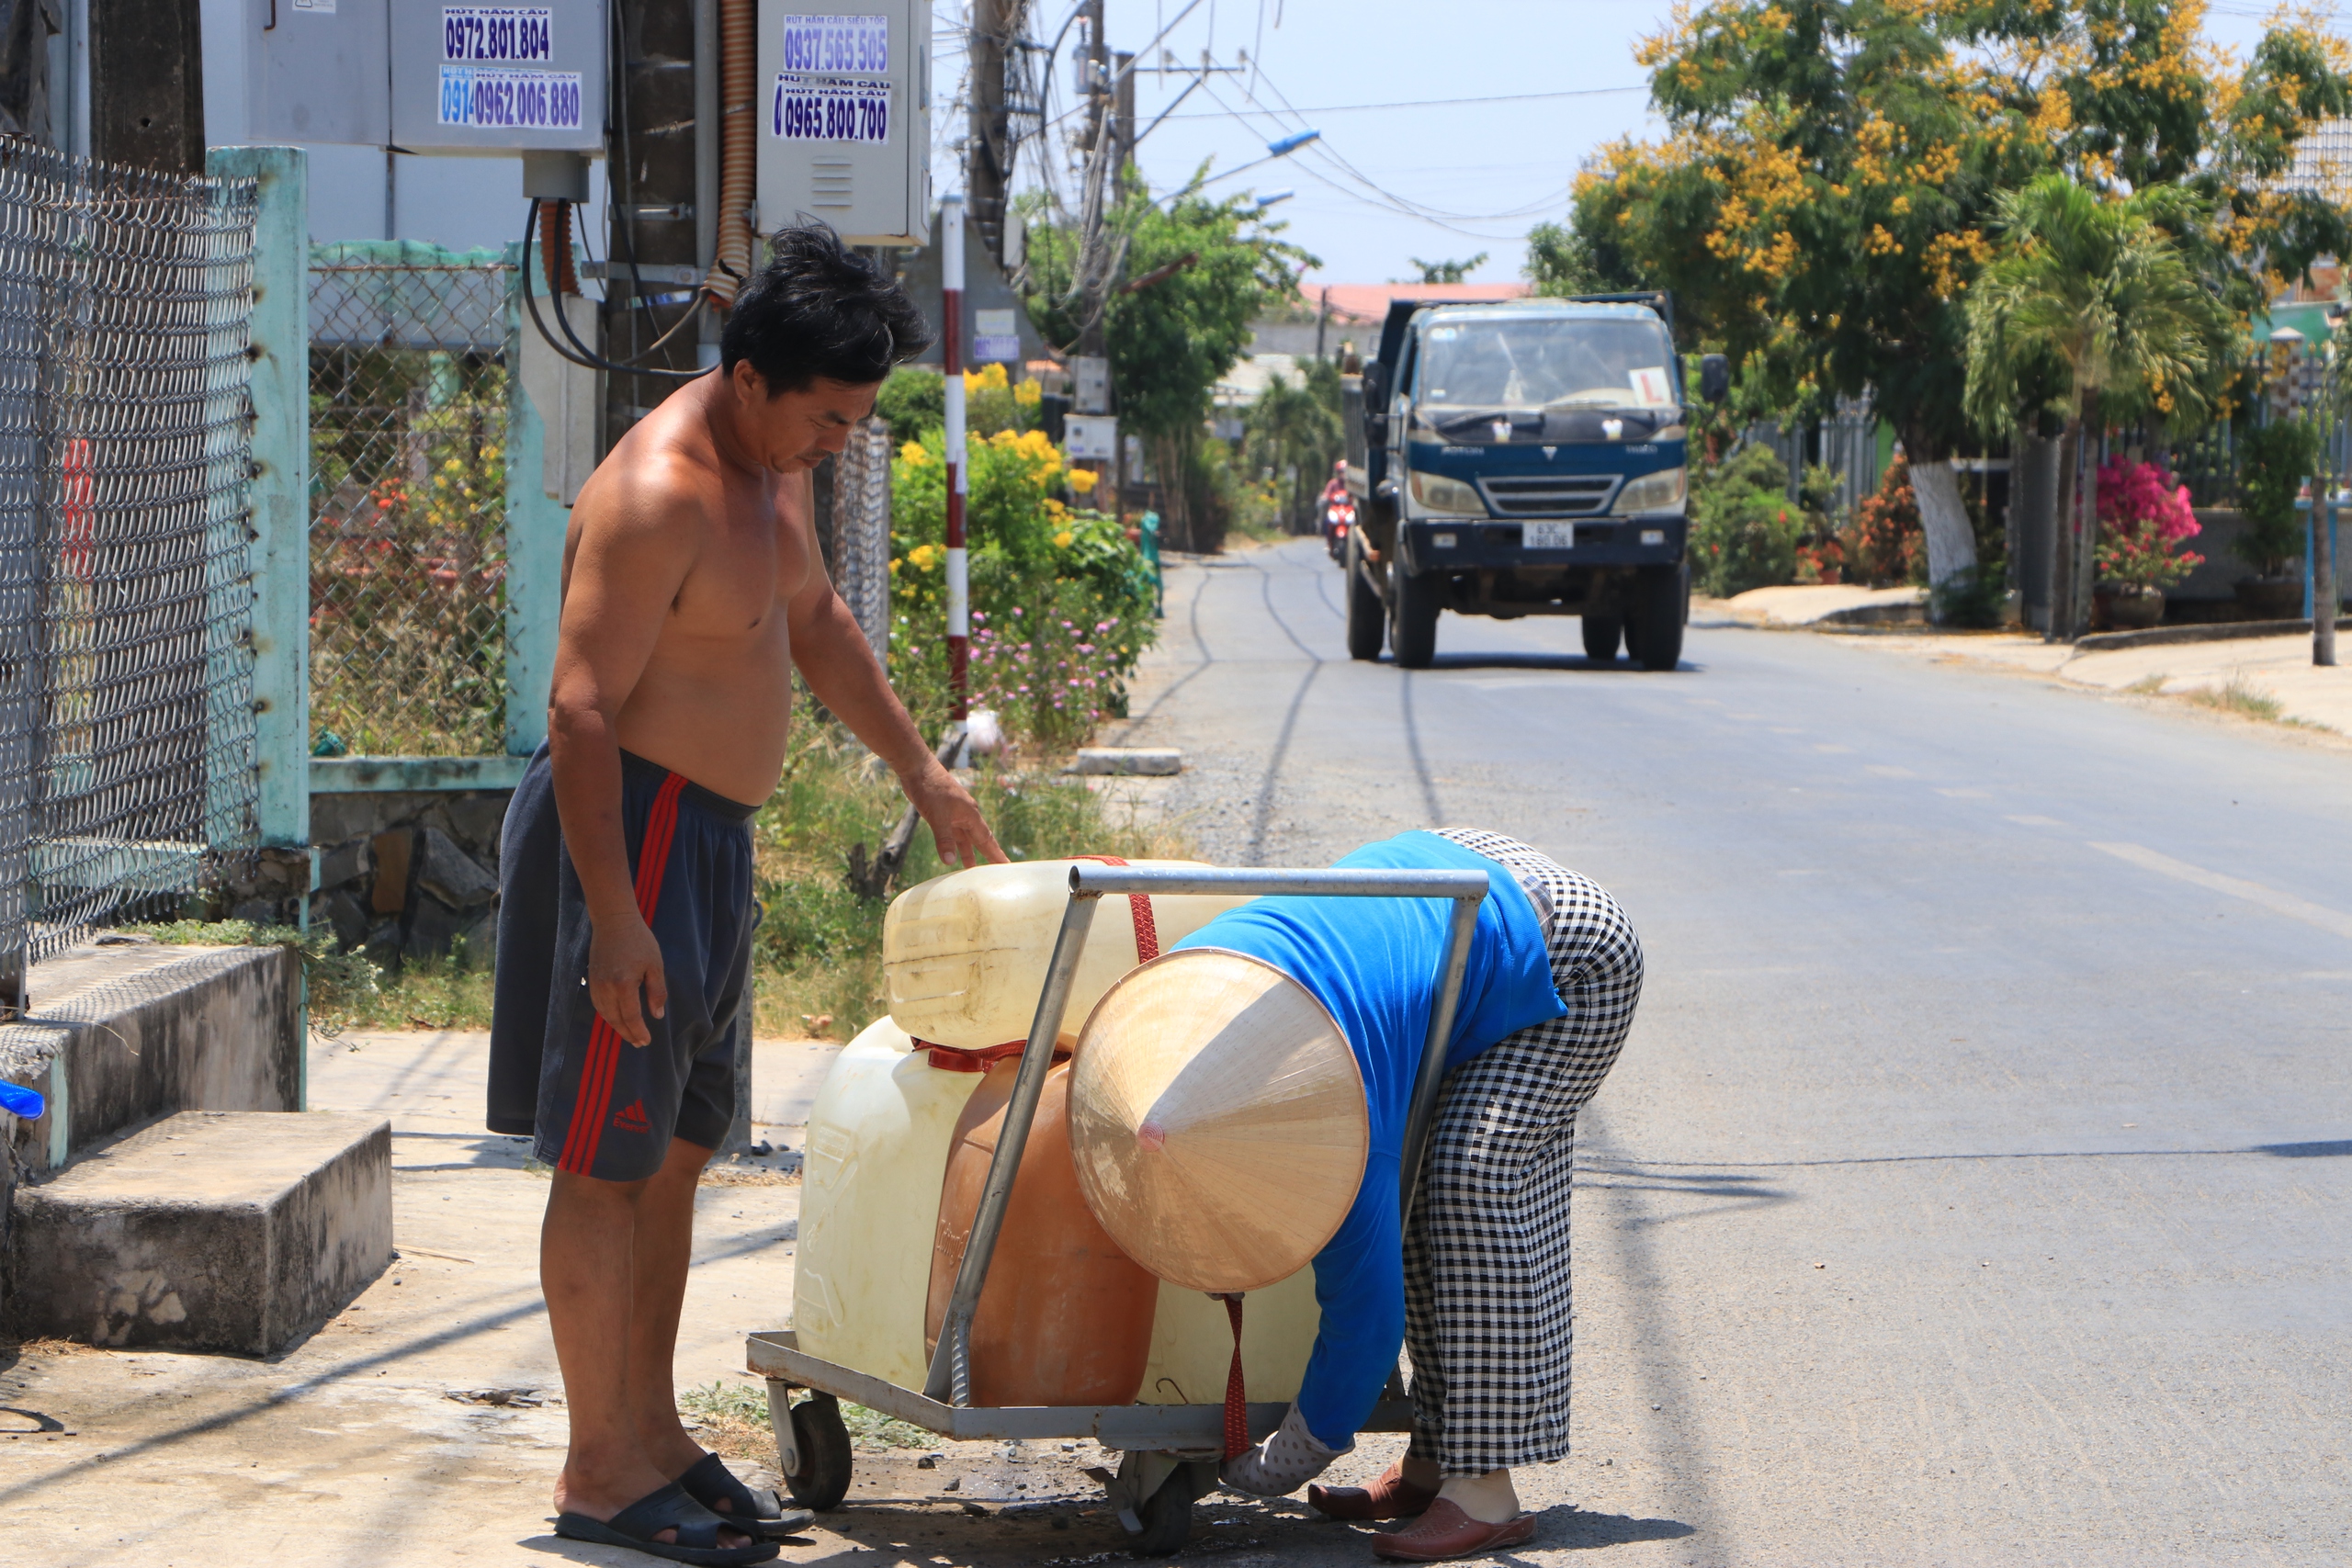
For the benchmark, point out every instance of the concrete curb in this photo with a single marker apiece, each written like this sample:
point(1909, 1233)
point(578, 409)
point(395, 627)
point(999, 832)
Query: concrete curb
point(2216, 631)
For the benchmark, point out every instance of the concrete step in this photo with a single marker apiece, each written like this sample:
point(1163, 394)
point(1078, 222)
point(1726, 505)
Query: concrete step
point(208, 1231)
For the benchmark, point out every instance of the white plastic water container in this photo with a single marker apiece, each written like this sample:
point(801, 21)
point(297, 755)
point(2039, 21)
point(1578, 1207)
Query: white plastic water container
point(964, 955)
point(878, 1139)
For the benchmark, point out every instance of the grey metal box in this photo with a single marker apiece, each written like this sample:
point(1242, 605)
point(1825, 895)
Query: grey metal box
point(844, 107)
point(499, 78)
point(316, 71)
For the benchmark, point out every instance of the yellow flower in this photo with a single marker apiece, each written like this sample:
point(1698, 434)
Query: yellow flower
point(1027, 392)
point(894, 566)
point(986, 378)
point(925, 556)
point(1004, 438)
point(1082, 480)
point(1062, 539)
point(913, 453)
point(453, 467)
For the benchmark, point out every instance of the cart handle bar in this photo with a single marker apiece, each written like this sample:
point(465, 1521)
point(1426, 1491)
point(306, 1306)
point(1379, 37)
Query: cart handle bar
point(950, 1378)
point(1103, 880)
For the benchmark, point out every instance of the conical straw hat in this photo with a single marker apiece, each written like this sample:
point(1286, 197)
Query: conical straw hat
point(1217, 1120)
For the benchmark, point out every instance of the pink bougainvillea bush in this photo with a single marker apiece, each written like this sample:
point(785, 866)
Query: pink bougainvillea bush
point(2143, 514)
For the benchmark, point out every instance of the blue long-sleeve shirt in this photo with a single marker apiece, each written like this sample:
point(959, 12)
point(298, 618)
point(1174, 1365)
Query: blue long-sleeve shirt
point(1373, 962)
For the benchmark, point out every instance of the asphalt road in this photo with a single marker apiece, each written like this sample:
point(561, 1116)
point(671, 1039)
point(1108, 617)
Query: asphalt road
point(1974, 1186)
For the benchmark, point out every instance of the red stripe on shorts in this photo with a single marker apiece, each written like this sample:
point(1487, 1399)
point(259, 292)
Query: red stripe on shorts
point(595, 1095)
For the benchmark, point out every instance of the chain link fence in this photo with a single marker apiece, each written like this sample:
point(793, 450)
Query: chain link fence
point(408, 389)
point(857, 531)
point(127, 765)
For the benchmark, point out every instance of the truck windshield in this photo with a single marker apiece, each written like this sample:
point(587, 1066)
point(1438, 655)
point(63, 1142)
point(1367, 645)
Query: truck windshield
point(1539, 364)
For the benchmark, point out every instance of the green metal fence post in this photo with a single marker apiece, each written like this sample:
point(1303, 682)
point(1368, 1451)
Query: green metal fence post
point(536, 520)
point(281, 514)
point(281, 485)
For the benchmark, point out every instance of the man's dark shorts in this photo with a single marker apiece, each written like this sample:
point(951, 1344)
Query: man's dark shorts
point(595, 1104)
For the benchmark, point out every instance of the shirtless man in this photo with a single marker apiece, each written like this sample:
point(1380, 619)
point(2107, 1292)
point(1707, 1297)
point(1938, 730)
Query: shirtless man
point(692, 588)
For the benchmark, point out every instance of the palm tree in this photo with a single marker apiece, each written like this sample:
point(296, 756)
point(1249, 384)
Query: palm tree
point(1295, 434)
point(2097, 289)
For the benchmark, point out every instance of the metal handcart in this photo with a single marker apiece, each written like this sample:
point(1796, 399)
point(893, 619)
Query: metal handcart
point(1170, 1452)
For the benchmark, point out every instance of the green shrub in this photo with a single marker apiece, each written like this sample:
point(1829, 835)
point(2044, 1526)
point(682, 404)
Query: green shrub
point(1744, 528)
point(1061, 599)
point(2273, 462)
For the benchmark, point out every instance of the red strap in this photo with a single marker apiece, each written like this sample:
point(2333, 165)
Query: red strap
point(1139, 908)
point(1236, 1399)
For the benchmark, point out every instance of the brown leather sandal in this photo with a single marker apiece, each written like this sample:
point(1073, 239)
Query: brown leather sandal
point(1446, 1531)
point(1390, 1497)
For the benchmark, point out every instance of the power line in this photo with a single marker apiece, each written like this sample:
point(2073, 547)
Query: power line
point(1431, 103)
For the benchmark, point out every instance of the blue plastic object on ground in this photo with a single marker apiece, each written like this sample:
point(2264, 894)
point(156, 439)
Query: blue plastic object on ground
point(24, 1101)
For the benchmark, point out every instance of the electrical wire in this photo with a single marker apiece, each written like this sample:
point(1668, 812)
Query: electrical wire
point(1429, 103)
point(586, 357)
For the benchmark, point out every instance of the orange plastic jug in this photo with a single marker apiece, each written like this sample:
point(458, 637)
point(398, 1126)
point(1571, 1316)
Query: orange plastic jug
point(1066, 1317)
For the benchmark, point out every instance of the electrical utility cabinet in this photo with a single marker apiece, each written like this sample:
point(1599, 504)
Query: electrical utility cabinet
point(430, 78)
point(844, 101)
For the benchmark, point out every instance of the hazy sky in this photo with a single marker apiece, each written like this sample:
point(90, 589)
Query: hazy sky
point(1498, 160)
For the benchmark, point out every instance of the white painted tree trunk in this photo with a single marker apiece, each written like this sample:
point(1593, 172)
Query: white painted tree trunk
point(1951, 544)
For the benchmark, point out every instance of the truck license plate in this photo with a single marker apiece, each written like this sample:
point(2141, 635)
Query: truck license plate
point(1550, 536)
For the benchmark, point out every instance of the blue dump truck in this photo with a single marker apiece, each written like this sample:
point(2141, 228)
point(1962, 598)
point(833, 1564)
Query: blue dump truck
point(1523, 458)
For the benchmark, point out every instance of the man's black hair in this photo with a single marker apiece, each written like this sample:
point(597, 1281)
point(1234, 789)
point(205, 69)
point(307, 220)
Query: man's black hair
point(820, 309)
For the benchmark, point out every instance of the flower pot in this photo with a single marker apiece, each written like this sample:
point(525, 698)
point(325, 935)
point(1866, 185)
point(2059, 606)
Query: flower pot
point(2136, 609)
point(2270, 598)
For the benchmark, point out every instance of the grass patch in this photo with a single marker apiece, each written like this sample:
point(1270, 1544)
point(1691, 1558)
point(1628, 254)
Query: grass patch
point(2240, 699)
point(819, 954)
point(2148, 685)
point(734, 1418)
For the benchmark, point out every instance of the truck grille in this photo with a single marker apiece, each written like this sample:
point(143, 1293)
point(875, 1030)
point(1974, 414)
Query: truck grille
point(1548, 495)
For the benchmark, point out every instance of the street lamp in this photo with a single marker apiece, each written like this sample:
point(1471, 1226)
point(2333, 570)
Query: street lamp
point(1282, 147)
point(1272, 196)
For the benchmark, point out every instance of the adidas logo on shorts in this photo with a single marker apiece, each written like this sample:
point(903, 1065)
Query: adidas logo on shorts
point(631, 1118)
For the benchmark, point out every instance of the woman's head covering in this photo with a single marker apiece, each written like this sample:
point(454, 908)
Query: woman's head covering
point(1217, 1120)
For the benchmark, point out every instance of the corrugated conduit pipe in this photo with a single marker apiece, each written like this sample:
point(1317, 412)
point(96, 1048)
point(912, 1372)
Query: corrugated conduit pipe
point(737, 151)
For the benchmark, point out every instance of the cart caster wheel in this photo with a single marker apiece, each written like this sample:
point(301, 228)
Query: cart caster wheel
point(1167, 1519)
point(822, 1480)
point(1167, 1515)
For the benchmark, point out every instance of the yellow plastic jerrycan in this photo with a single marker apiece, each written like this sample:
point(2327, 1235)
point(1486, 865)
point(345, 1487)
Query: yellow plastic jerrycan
point(964, 955)
point(1191, 1343)
point(878, 1139)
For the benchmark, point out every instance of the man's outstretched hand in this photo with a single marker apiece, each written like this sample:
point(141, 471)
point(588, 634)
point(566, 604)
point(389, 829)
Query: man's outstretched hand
point(954, 818)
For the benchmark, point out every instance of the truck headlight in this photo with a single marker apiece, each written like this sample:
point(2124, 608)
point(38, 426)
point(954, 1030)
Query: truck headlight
point(1660, 491)
point(1435, 492)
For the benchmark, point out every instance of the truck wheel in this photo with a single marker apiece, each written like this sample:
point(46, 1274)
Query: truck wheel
point(1601, 634)
point(1412, 631)
point(1661, 604)
point(1365, 629)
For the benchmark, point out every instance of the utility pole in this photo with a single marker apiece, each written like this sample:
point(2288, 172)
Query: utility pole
point(1122, 147)
point(951, 347)
point(147, 84)
point(989, 145)
point(1091, 367)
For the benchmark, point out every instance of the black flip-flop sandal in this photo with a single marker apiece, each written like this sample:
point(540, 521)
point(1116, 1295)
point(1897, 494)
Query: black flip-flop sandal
point(762, 1514)
point(668, 1509)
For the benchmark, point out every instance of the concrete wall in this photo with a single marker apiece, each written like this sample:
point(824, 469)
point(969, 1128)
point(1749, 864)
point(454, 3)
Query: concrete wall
point(409, 873)
point(2217, 578)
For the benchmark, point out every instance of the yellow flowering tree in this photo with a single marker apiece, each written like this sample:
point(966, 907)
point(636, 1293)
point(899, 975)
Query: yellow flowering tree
point(1830, 181)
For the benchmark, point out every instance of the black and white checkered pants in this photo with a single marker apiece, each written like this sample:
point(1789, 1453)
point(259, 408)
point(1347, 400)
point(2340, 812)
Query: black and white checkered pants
point(1487, 1302)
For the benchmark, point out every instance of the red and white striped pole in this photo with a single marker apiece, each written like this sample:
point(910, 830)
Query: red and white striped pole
point(950, 312)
